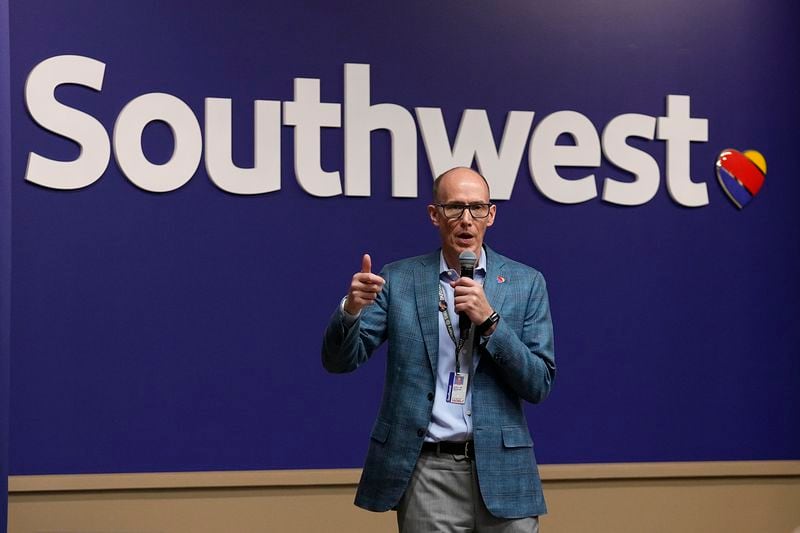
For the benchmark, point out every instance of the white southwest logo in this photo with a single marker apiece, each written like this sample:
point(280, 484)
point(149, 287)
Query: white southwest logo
point(307, 114)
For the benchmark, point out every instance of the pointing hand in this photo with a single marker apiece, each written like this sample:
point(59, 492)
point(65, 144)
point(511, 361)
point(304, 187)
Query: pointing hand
point(364, 287)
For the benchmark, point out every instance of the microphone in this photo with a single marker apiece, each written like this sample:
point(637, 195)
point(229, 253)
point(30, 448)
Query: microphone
point(467, 260)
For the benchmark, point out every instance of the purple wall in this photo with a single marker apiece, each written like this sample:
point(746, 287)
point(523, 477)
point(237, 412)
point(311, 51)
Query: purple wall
point(5, 257)
point(181, 330)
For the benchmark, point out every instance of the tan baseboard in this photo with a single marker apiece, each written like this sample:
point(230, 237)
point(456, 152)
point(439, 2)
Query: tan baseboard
point(350, 477)
point(701, 497)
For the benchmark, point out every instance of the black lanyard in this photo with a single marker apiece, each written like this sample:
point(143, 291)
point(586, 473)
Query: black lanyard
point(464, 334)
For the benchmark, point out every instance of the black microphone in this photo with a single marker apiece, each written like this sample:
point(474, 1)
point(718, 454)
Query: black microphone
point(467, 260)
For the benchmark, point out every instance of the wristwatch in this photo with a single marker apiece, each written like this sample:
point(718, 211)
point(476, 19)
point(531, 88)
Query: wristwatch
point(487, 324)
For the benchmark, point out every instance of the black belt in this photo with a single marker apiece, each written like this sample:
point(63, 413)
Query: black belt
point(454, 448)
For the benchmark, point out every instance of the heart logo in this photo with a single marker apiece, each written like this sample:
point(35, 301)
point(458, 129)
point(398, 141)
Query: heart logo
point(741, 174)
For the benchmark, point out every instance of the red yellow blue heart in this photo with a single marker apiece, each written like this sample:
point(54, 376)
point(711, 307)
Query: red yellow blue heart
point(741, 174)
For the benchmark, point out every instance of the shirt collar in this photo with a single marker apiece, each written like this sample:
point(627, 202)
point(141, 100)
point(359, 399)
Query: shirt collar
point(447, 272)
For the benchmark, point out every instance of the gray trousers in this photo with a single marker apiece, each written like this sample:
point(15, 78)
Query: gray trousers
point(443, 496)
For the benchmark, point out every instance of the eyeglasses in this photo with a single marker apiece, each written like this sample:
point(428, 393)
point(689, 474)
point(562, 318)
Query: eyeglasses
point(453, 211)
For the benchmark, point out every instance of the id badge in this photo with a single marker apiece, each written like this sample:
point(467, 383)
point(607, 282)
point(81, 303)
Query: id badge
point(457, 387)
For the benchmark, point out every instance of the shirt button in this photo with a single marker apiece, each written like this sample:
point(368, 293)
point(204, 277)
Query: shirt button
point(469, 413)
point(420, 433)
point(430, 396)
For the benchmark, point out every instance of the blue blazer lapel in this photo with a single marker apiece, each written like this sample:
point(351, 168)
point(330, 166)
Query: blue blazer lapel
point(492, 287)
point(426, 293)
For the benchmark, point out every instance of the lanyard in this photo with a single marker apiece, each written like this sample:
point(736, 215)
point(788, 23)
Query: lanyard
point(464, 334)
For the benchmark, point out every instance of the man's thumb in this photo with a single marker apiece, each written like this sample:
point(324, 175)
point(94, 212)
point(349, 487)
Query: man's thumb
point(366, 264)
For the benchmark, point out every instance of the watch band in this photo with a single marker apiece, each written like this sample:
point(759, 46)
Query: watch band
point(493, 319)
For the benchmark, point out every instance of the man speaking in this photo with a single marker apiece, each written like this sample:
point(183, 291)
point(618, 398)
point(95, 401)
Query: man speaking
point(470, 336)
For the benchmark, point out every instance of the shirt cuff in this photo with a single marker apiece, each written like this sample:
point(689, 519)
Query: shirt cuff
point(348, 319)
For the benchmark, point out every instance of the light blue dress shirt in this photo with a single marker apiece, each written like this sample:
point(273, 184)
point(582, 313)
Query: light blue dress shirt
point(452, 421)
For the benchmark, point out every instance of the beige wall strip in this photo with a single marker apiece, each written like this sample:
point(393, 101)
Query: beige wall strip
point(333, 477)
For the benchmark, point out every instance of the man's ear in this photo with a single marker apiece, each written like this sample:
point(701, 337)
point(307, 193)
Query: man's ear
point(492, 213)
point(433, 214)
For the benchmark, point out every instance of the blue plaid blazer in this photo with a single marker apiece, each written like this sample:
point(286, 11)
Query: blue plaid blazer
point(516, 364)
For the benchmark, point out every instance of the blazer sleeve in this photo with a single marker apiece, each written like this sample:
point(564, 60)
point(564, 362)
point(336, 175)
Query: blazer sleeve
point(527, 359)
point(345, 348)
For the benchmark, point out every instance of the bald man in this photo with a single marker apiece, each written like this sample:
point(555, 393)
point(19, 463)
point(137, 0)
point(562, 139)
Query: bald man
point(450, 449)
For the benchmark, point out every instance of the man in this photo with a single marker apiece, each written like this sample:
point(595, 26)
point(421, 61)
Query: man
point(450, 449)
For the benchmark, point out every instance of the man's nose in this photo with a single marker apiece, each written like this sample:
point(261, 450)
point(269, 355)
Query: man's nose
point(466, 217)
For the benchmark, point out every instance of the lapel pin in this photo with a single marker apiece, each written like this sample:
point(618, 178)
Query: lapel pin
point(501, 279)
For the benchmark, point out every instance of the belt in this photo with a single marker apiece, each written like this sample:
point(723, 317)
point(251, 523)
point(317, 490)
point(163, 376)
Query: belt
point(466, 448)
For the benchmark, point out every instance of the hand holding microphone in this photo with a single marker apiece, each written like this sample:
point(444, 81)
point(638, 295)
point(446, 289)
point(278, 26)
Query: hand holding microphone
point(364, 287)
point(470, 300)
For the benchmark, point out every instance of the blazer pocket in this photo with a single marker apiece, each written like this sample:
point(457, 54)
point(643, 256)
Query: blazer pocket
point(380, 431)
point(516, 437)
